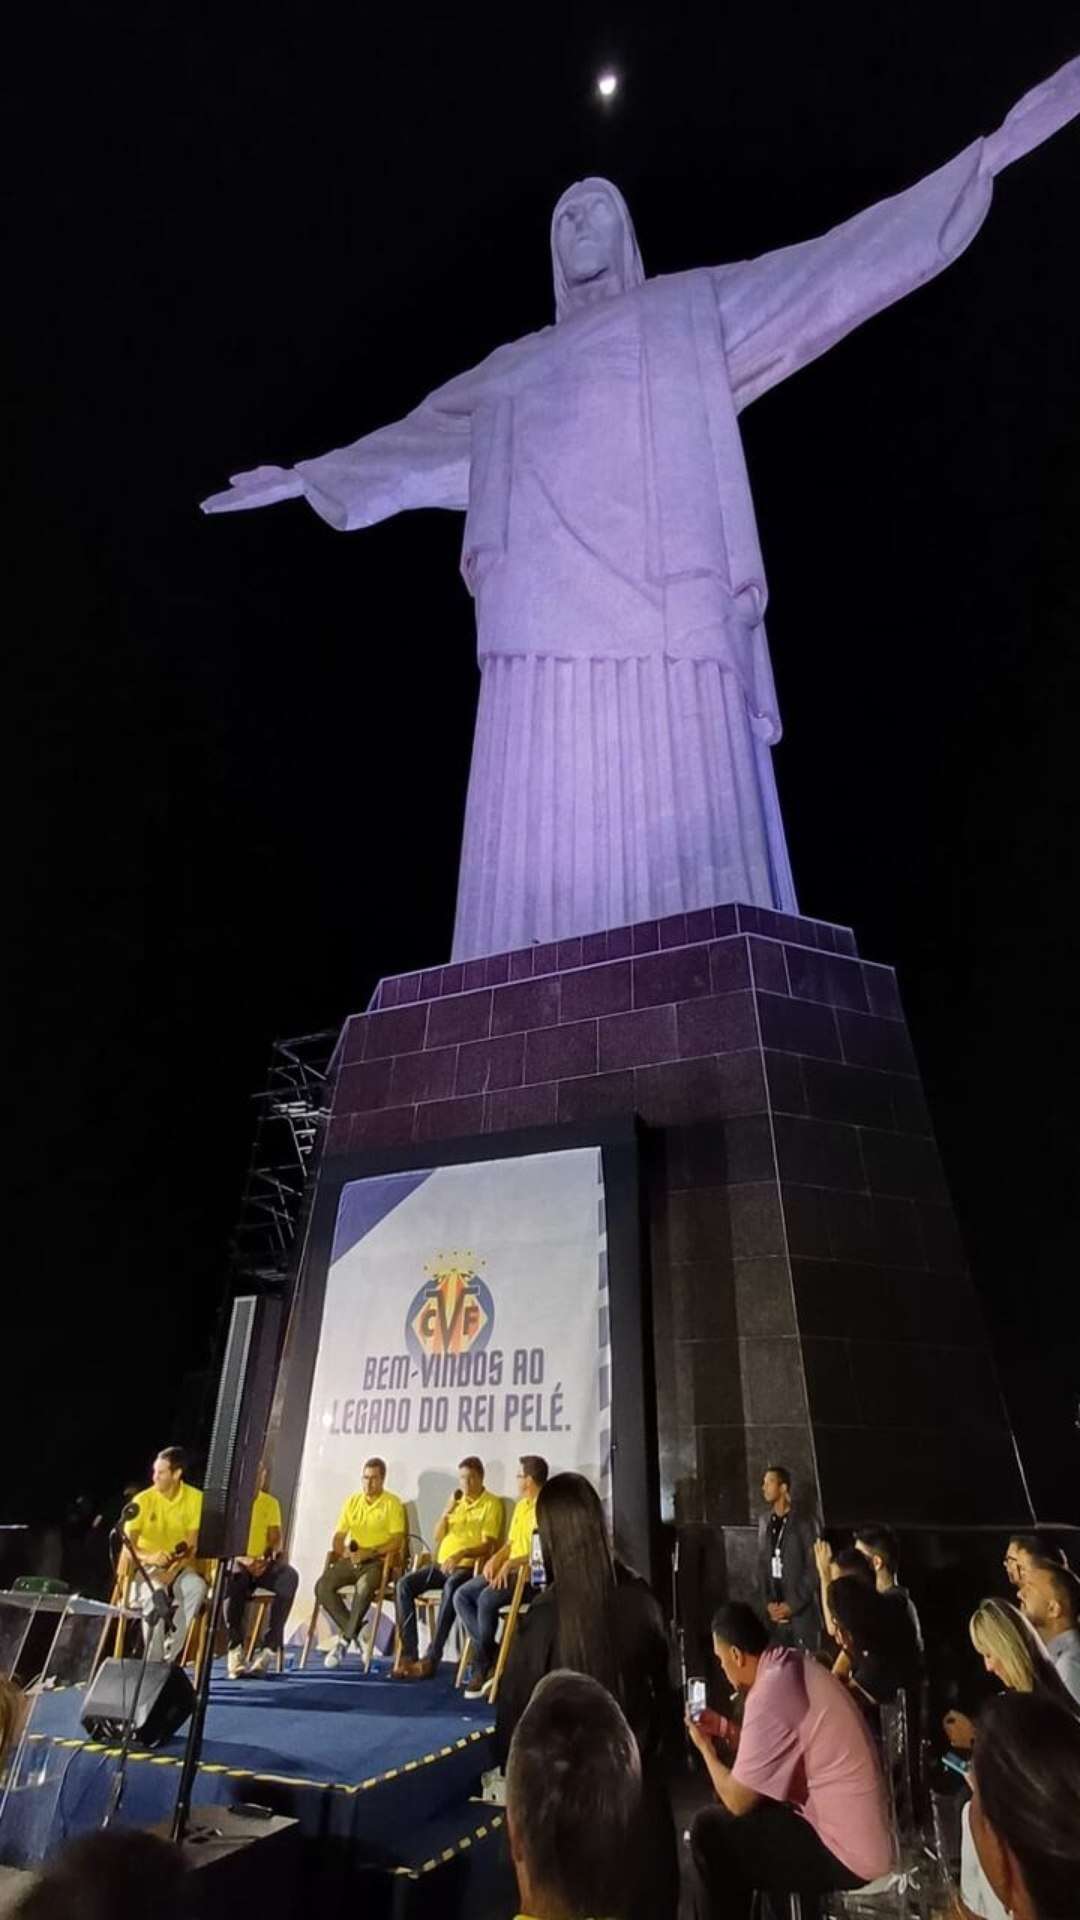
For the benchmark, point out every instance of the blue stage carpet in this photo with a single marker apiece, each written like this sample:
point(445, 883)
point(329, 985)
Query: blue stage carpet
point(382, 1766)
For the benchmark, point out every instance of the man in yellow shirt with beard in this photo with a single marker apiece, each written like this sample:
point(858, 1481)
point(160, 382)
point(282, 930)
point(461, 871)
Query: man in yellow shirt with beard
point(371, 1524)
point(164, 1531)
point(478, 1602)
point(468, 1529)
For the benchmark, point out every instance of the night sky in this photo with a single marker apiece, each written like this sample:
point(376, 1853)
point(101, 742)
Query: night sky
point(240, 745)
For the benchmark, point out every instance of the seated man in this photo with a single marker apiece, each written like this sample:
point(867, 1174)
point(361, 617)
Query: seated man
point(573, 1801)
point(467, 1530)
point(261, 1566)
point(1022, 1552)
point(478, 1602)
point(370, 1525)
point(881, 1548)
point(1050, 1597)
point(164, 1531)
point(803, 1808)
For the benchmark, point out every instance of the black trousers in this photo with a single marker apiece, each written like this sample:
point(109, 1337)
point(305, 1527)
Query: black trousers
point(284, 1581)
point(771, 1850)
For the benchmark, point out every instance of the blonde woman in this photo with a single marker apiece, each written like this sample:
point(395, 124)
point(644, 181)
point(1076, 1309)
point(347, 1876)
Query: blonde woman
point(1012, 1651)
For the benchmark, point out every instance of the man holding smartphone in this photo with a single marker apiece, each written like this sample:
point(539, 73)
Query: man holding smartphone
point(371, 1524)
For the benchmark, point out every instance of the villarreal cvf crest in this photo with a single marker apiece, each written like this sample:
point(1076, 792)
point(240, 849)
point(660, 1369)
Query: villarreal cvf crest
point(453, 1311)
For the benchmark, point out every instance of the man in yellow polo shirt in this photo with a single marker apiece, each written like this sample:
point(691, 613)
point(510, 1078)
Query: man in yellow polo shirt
point(468, 1530)
point(371, 1523)
point(260, 1567)
point(478, 1602)
point(164, 1530)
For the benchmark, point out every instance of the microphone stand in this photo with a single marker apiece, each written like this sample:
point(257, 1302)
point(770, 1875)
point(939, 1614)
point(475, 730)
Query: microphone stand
point(162, 1609)
point(202, 1695)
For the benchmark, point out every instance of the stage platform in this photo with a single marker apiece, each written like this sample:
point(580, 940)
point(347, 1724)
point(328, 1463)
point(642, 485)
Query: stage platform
point(382, 1776)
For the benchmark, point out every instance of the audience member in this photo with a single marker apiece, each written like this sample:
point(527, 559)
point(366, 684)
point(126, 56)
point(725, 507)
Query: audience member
point(1025, 1548)
point(371, 1524)
point(881, 1548)
point(1050, 1596)
point(117, 1875)
point(1014, 1654)
point(832, 1564)
point(573, 1801)
point(598, 1618)
point(467, 1532)
point(478, 1603)
point(803, 1808)
point(1025, 1809)
point(12, 1713)
point(786, 1567)
point(863, 1630)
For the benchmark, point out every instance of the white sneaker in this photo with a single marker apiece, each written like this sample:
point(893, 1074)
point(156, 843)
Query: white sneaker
point(337, 1653)
point(235, 1664)
point(265, 1661)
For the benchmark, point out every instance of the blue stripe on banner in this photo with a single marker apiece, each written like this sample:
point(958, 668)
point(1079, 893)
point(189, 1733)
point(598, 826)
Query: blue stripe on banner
point(602, 1268)
point(605, 1327)
point(601, 1213)
point(364, 1203)
point(605, 1387)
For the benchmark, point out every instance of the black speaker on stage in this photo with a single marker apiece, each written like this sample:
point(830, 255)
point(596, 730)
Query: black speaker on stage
point(240, 1419)
point(166, 1699)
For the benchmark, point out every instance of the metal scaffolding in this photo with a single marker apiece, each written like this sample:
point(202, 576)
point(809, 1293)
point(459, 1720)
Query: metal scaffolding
point(291, 1113)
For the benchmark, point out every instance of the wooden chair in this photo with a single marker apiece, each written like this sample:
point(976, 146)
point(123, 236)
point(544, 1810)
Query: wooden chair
point(261, 1598)
point(509, 1616)
point(428, 1604)
point(387, 1581)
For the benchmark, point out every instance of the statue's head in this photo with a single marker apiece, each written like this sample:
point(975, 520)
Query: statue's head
point(594, 251)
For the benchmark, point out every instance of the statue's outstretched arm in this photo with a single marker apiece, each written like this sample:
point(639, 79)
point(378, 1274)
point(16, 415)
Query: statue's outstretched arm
point(781, 311)
point(420, 461)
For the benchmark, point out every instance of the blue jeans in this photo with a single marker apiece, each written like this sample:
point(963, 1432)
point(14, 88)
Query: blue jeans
point(478, 1606)
point(422, 1580)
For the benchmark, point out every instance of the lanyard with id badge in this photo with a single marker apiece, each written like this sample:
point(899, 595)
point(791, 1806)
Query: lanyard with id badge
point(776, 1564)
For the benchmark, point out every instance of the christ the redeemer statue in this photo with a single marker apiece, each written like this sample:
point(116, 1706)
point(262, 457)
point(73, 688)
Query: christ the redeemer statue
point(622, 765)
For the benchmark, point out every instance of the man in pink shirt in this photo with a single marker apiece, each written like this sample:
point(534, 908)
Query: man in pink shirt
point(802, 1808)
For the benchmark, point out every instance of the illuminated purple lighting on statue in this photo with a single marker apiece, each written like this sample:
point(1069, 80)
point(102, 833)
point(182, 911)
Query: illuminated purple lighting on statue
point(622, 766)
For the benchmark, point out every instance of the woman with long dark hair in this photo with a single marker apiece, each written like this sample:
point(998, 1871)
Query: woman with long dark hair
point(863, 1630)
point(1025, 1811)
point(598, 1617)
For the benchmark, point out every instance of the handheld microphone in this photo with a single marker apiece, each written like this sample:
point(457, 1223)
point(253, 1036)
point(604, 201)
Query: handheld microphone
point(457, 1496)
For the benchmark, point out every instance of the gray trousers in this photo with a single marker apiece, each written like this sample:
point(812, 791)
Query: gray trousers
point(364, 1579)
point(189, 1596)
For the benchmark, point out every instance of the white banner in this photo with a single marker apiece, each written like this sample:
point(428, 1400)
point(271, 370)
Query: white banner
point(465, 1313)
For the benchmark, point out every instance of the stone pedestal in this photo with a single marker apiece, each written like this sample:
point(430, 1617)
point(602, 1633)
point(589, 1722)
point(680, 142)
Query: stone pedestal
point(810, 1299)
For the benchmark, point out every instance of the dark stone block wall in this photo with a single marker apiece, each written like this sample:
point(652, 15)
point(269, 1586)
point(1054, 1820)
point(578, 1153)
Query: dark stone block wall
point(810, 1298)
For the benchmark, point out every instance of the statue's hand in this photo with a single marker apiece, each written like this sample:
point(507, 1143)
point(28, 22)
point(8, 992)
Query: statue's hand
point(259, 488)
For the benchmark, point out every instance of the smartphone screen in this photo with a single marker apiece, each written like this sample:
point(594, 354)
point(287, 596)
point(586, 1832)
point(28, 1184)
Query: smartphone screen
point(695, 1698)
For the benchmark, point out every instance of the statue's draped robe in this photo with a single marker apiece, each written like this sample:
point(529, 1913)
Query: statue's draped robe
point(622, 761)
